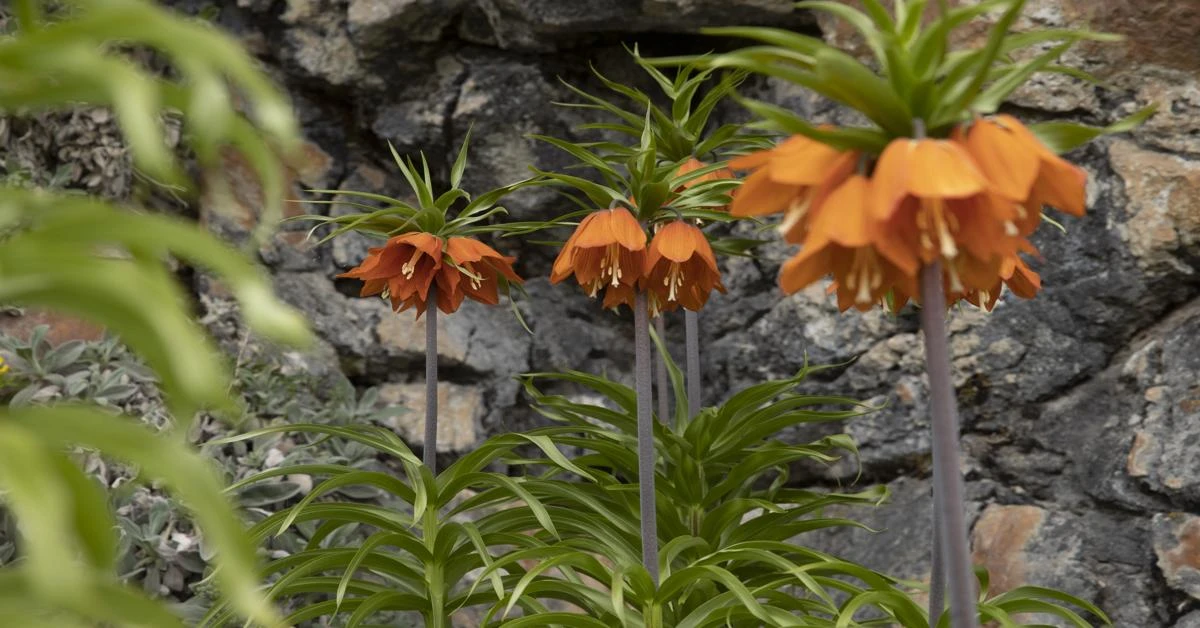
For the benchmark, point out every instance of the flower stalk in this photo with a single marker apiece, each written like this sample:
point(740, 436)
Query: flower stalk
point(937, 568)
point(695, 391)
point(645, 430)
point(949, 518)
point(660, 373)
point(431, 384)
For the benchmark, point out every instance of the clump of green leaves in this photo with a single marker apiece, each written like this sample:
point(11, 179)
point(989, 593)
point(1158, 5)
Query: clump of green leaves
point(681, 131)
point(454, 212)
point(728, 519)
point(914, 73)
point(424, 540)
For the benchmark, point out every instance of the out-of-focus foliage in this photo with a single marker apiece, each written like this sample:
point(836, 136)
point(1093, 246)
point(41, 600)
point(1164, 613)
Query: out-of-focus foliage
point(88, 258)
point(160, 549)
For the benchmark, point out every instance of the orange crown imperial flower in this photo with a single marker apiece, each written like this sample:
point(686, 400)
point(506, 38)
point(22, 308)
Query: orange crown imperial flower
point(845, 241)
point(681, 269)
point(1022, 169)
point(942, 206)
point(404, 269)
point(792, 177)
point(968, 202)
point(606, 251)
point(965, 193)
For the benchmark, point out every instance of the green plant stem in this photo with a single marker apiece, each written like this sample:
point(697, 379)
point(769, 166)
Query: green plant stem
point(429, 456)
point(435, 572)
point(695, 391)
point(645, 432)
point(947, 478)
point(660, 372)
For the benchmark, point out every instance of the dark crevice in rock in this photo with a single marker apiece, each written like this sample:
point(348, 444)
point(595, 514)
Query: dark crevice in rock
point(408, 369)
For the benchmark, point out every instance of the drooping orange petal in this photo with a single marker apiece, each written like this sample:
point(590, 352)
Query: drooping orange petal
point(626, 230)
point(427, 243)
point(896, 238)
point(809, 167)
point(612, 226)
point(463, 250)
point(372, 287)
point(942, 169)
point(1022, 280)
point(1060, 183)
point(804, 167)
point(564, 263)
point(503, 266)
point(450, 294)
point(618, 295)
point(1009, 164)
point(597, 233)
point(633, 264)
point(759, 196)
point(675, 242)
point(705, 252)
point(1063, 186)
point(889, 182)
point(805, 268)
point(483, 288)
point(844, 214)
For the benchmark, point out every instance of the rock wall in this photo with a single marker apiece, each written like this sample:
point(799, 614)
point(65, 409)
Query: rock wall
point(1081, 409)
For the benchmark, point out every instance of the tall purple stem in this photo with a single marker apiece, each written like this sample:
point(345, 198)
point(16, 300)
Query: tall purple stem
point(949, 518)
point(660, 372)
point(431, 382)
point(695, 390)
point(645, 435)
point(937, 570)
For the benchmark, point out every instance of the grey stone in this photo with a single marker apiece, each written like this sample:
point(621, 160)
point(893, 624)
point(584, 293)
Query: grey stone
point(377, 23)
point(419, 122)
point(494, 102)
point(1176, 536)
point(545, 24)
point(459, 410)
point(899, 534)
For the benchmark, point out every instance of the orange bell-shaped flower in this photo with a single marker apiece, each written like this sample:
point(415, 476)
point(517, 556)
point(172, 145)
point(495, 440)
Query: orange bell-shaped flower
point(481, 267)
point(681, 269)
point(941, 206)
point(606, 251)
point(402, 268)
point(406, 267)
point(864, 260)
point(1022, 169)
point(792, 177)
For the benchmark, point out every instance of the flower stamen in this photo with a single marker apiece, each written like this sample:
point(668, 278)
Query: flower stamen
point(411, 266)
point(673, 281)
point(611, 264)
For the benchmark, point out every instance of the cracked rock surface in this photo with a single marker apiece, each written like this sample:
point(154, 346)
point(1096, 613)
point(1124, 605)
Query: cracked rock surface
point(1081, 409)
